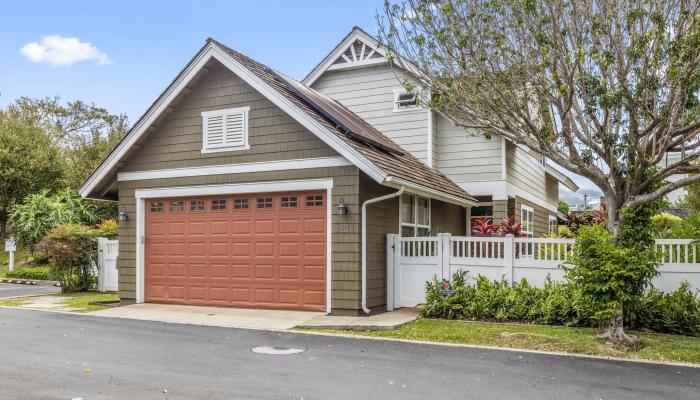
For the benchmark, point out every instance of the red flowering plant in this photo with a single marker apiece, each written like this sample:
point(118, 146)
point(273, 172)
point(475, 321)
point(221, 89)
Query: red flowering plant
point(484, 227)
point(509, 227)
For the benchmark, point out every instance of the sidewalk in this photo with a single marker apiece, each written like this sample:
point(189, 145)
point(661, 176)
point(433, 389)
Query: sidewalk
point(383, 321)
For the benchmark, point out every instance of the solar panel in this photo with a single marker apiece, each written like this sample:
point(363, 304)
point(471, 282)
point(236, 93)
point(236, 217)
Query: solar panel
point(343, 118)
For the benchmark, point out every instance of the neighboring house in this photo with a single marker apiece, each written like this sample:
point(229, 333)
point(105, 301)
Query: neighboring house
point(677, 195)
point(241, 187)
point(507, 179)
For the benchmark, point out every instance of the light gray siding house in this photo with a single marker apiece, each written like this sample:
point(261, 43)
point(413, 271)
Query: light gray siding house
point(507, 179)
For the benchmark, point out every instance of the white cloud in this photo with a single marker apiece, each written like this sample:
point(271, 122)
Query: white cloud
point(62, 51)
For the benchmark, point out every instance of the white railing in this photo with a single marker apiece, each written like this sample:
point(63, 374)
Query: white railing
point(411, 261)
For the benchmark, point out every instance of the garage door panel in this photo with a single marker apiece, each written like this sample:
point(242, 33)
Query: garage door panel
point(271, 257)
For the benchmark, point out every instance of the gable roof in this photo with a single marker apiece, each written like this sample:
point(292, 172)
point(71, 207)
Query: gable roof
point(352, 137)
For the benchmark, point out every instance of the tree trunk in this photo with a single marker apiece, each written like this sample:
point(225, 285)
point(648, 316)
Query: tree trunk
point(615, 332)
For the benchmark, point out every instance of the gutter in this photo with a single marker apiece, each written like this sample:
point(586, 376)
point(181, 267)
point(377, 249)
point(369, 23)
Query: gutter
point(427, 192)
point(364, 241)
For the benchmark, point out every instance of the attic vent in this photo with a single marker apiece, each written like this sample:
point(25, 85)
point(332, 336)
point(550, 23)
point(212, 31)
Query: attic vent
point(225, 130)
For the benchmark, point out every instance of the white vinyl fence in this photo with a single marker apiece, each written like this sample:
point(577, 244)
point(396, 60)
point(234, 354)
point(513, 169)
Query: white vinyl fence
point(107, 277)
point(412, 261)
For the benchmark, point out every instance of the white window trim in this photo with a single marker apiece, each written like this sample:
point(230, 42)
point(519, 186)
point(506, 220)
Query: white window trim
point(206, 148)
point(523, 207)
point(397, 92)
point(415, 225)
point(142, 195)
point(549, 224)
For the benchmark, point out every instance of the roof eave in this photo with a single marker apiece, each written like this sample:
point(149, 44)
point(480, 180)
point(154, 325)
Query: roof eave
point(415, 188)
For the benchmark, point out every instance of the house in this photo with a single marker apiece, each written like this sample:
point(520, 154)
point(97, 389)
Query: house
point(242, 187)
point(507, 179)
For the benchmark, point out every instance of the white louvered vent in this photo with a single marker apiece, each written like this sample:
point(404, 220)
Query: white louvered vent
point(225, 130)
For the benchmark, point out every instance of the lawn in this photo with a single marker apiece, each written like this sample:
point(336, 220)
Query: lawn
point(81, 300)
point(539, 337)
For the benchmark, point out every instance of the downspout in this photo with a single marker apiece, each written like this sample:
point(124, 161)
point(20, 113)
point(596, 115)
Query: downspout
point(364, 241)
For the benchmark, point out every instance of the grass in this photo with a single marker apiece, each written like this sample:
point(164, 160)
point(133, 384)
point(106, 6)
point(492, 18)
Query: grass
point(80, 301)
point(16, 302)
point(656, 347)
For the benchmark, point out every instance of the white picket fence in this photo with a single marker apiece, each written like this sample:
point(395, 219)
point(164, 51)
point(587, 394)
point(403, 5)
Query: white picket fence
point(107, 276)
point(412, 261)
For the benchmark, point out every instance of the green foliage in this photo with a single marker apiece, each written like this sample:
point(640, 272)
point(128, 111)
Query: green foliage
point(665, 225)
point(558, 303)
point(108, 228)
point(72, 252)
point(41, 212)
point(39, 273)
point(689, 229)
point(606, 274)
point(28, 163)
point(563, 207)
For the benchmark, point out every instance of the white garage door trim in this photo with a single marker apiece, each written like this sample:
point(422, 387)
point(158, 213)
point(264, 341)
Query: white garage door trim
point(255, 187)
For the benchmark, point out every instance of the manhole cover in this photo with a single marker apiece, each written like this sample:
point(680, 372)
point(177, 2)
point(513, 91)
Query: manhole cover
point(277, 350)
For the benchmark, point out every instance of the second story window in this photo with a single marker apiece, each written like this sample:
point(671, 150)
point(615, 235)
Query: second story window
point(404, 101)
point(225, 130)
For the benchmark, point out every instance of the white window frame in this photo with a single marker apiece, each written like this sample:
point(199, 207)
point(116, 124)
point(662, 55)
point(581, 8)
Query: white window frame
point(398, 92)
point(549, 224)
point(206, 148)
point(415, 225)
point(529, 209)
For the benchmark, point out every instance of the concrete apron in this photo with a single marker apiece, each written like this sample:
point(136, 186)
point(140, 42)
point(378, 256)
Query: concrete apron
point(382, 321)
point(244, 318)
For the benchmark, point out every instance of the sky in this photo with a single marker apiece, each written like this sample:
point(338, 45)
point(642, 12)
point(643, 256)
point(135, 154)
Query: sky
point(120, 55)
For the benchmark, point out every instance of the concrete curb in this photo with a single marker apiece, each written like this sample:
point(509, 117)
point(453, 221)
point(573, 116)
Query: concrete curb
point(34, 282)
point(510, 349)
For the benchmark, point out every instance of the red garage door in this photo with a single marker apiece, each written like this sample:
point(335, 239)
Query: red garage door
point(256, 250)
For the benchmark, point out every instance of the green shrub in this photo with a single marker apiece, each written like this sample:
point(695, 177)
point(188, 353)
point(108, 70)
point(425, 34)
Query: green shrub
point(39, 213)
point(108, 228)
point(39, 273)
point(677, 312)
point(665, 225)
point(72, 252)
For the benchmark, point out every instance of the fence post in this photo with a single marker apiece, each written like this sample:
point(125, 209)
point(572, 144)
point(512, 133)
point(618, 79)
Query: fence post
point(445, 254)
point(509, 252)
point(392, 256)
point(101, 242)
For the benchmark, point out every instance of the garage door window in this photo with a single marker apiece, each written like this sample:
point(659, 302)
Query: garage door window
point(264, 202)
point(197, 205)
point(289, 202)
point(218, 205)
point(240, 204)
point(157, 207)
point(314, 201)
point(177, 206)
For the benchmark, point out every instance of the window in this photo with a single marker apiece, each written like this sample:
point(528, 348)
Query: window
point(415, 216)
point(553, 224)
point(197, 205)
point(264, 202)
point(156, 206)
point(225, 130)
point(481, 212)
point(314, 201)
point(404, 101)
point(218, 205)
point(289, 201)
point(527, 220)
point(240, 204)
point(177, 206)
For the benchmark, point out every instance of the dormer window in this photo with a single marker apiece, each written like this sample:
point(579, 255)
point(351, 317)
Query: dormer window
point(225, 130)
point(404, 101)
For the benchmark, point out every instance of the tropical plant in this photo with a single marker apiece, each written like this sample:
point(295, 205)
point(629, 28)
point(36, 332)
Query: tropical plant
point(41, 212)
point(509, 227)
point(563, 207)
point(109, 228)
point(72, 252)
point(665, 225)
point(484, 227)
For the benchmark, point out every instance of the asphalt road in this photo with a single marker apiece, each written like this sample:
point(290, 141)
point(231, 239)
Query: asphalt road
point(14, 290)
point(58, 356)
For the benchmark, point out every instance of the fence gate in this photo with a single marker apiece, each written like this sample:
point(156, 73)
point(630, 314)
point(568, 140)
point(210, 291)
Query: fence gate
point(107, 277)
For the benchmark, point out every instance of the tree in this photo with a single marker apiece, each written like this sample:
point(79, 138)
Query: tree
point(28, 163)
point(604, 88)
point(563, 207)
point(84, 133)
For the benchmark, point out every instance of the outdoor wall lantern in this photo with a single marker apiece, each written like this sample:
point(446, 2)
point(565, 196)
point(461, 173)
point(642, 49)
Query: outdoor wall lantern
point(342, 207)
point(123, 216)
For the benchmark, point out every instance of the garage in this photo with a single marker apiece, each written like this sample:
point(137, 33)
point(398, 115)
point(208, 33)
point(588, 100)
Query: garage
point(262, 250)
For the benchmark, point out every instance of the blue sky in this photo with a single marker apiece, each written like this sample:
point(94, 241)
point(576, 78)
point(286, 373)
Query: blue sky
point(131, 50)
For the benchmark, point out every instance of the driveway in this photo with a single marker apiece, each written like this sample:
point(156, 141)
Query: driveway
point(59, 356)
point(15, 290)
